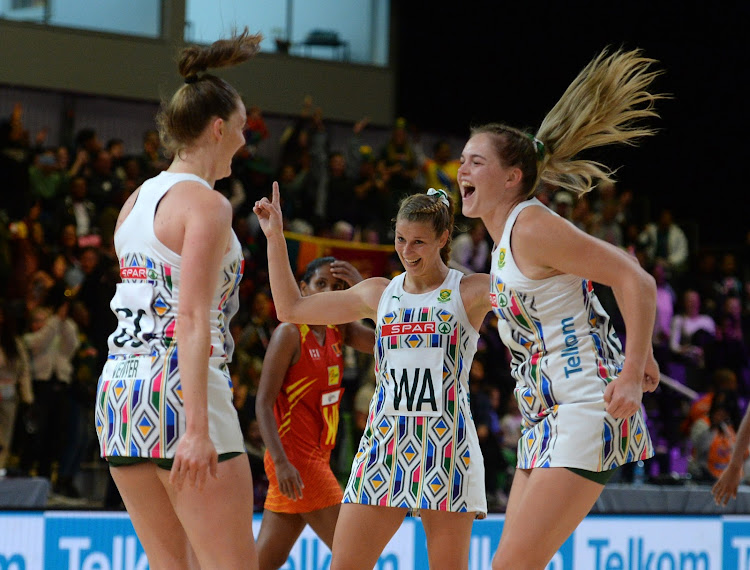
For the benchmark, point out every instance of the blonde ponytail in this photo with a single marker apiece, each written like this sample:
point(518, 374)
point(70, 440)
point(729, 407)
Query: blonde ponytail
point(604, 105)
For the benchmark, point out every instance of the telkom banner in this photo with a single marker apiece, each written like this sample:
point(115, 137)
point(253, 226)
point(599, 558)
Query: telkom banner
point(63, 540)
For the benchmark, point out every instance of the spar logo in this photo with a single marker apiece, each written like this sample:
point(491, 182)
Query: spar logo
point(415, 328)
point(142, 273)
point(407, 328)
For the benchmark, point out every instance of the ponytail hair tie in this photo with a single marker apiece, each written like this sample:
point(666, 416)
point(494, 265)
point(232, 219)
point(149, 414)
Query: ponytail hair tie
point(192, 78)
point(442, 196)
point(539, 148)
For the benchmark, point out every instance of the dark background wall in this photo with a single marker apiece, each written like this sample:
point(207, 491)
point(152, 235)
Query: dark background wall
point(511, 61)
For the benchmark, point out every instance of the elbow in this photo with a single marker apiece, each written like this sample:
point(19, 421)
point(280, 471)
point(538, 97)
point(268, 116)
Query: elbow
point(285, 313)
point(648, 285)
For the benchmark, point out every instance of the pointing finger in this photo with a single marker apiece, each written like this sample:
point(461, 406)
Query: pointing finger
point(275, 194)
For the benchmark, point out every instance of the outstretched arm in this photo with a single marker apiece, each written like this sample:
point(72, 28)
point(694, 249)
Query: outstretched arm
point(335, 307)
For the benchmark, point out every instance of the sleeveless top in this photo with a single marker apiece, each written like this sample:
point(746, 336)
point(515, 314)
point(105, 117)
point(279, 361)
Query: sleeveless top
point(420, 449)
point(307, 407)
point(564, 353)
point(139, 407)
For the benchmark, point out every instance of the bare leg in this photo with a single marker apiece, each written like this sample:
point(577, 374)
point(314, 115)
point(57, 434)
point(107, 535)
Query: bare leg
point(448, 538)
point(538, 522)
point(277, 535)
point(153, 517)
point(323, 522)
point(379, 524)
point(218, 519)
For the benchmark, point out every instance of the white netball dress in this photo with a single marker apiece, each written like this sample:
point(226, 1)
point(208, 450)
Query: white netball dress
point(139, 406)
point(420, 448)
point(564, 353)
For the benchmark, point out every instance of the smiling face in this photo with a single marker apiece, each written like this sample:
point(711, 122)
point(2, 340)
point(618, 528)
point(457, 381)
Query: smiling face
point(418, 246)
point(482, 179)
point(485, 181)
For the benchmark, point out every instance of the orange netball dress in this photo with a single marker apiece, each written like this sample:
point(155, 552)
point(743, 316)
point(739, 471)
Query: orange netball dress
point(307, 415)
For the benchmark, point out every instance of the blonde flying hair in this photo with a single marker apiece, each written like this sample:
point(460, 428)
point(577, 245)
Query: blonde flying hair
point(604, 105)
point(203, 96)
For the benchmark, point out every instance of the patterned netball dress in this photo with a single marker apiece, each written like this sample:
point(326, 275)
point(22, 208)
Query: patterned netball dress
point(564, 353)
point(139, 406)
point(307, 415)
point(420, 449)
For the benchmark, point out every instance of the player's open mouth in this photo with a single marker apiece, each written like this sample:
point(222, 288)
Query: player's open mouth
point(466, 190)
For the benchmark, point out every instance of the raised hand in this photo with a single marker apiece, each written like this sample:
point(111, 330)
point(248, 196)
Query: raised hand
point(346, 272)
point(269, 213)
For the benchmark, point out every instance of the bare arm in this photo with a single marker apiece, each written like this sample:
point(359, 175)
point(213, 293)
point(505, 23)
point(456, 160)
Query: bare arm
point(207, 227)
point(359, 336)
point(475, 292)
point(545, 245)
point(335, 307)
point(283, 352)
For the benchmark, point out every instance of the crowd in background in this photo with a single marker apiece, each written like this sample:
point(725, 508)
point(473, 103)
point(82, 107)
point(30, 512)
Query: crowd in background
point(58, 273)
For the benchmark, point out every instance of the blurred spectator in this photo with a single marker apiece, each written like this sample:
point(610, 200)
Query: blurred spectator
point(257, 332)
point(15, 379)
point(563, 203)
point(79, 433)
point(102, 183)
point(666, 300)
point(713, 437)
point(47, 184)
point(116, 149)
point(667, 241)
point(77, 209)
point(441, 171)
point(152, 159)
point(730, 349)
point(582, 215)
point(692, 332)
point(470, 250)
point(256, 130)
point(95, 291)
point(371, 197)
point(339, 191)
point(15, 159)
point(489, 433)
point(400, 163)
point(86, 146)
point(722, 380)
point(607, 227)
point(728, 282)
point(704, 279)
point(233, 190)
point(52, 343)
